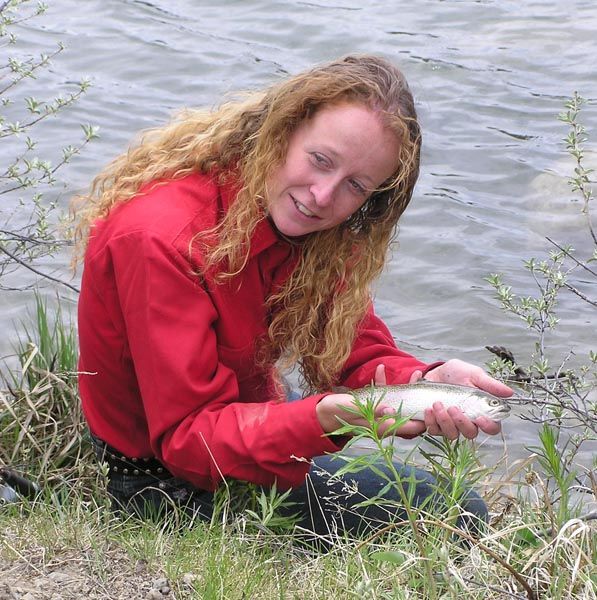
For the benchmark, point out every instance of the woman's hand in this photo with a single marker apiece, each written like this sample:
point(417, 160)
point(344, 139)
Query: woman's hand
point(332, 408)
point(462, 373)
point(452, 422)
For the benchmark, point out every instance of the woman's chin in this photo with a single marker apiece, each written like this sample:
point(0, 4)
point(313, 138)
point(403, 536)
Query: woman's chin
point(290, 230)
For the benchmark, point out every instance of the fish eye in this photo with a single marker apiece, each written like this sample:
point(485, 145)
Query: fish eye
point(494, 402)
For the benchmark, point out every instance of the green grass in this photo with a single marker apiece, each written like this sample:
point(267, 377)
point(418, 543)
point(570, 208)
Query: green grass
point(233, 560)
point(42, 430)
point(536, 546)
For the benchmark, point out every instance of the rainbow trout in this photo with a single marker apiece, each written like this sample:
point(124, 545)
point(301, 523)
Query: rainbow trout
point(412, 399)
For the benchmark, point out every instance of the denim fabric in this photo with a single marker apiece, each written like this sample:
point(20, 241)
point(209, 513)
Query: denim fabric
point(327, 505)
point(149, 498)
point(330, 504)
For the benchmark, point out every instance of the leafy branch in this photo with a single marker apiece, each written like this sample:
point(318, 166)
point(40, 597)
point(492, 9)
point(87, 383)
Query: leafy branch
point(563, 395)
point(22, 170)
point(575, 139)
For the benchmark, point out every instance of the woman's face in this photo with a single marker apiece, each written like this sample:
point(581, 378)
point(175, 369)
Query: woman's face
point(333, 163)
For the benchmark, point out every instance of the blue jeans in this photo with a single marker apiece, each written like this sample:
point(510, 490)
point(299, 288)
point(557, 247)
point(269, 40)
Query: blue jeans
point(326, 505)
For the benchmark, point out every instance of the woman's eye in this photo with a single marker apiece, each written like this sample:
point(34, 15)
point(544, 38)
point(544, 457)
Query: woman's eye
point(357, 187)
point(319, 159)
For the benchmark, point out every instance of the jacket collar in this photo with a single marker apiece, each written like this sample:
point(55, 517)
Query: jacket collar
point(265, 234)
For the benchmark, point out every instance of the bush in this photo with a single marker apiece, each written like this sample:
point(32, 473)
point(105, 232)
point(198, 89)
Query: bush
point(29, 225)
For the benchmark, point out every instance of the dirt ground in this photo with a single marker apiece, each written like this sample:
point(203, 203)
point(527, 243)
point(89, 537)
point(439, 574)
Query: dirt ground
point(71, 577)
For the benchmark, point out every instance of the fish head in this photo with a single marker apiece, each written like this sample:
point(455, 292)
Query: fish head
point(478, 403)
point(496, 409)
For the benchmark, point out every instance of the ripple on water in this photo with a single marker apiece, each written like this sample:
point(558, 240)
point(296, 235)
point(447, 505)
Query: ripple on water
point(489, 79)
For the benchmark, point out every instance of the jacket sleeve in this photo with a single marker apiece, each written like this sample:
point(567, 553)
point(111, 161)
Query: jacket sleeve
point(375, 345)
point(198, 426)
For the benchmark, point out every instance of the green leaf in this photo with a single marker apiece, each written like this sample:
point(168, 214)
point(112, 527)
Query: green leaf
point(396, 557)
point(526, 537)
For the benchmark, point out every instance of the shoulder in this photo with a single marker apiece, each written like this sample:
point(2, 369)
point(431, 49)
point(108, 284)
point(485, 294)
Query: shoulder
point(170, 210)
point(164, 207)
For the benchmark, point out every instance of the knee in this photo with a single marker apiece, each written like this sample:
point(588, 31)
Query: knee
point(474, 516)
point(474, 505)
point(433, 496)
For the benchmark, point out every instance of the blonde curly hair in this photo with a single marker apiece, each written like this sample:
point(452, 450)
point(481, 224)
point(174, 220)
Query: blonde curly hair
point(316, 313)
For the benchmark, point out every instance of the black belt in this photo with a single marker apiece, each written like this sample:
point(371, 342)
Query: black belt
point(125, 465)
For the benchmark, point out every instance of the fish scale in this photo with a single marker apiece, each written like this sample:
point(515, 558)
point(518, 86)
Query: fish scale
point(412, 399)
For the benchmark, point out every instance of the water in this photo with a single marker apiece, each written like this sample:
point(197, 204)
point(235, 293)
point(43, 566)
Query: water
point(489, 78)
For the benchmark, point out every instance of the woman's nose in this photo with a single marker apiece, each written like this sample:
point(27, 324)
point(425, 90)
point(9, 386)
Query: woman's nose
point(324, 192)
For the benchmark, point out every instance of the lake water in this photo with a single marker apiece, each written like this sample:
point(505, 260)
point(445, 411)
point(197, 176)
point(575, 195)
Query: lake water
point(489, 77)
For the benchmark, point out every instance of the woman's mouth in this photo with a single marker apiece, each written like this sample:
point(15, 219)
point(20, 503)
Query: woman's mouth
point(303, 209)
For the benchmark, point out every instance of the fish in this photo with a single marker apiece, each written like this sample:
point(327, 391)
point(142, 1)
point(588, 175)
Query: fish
point(411, 400)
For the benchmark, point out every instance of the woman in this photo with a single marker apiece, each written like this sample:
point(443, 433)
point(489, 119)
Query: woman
point(227, 244)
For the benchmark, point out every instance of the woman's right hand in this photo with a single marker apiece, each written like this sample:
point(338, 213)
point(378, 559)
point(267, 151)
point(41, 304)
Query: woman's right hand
point(332, 408)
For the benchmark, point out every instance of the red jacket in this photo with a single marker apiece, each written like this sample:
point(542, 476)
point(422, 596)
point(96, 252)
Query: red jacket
point(168, 362)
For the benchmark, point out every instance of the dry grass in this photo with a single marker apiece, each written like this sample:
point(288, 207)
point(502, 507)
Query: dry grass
point(42, 428)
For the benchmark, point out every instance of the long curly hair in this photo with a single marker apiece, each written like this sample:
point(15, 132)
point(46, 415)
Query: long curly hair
point(315, 315)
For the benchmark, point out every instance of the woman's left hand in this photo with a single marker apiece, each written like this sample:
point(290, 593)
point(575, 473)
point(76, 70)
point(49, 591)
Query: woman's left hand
point(452, 421)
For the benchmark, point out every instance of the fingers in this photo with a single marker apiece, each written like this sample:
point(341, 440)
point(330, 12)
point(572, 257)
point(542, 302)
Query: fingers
point(380, 375)
point(463, 373)
point(411, 429)
point(431, 423)
point(439, 422)
point(485, 382)
point(334, 409)
point(416, 376)
point(450, 422)
point(488, 426)
point(331, 408)
point(463, 424)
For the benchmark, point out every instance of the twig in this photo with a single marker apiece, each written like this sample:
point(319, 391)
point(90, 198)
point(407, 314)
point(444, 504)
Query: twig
point(490, 587)
point(16, 236)
point(571, 256)
point(33, 67)
point(550, 531)
point(36, 271)
point(579, 294)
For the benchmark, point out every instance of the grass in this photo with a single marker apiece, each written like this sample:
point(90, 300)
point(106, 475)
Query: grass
point(538, 545)
point(42, 429)
point(232, 560)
